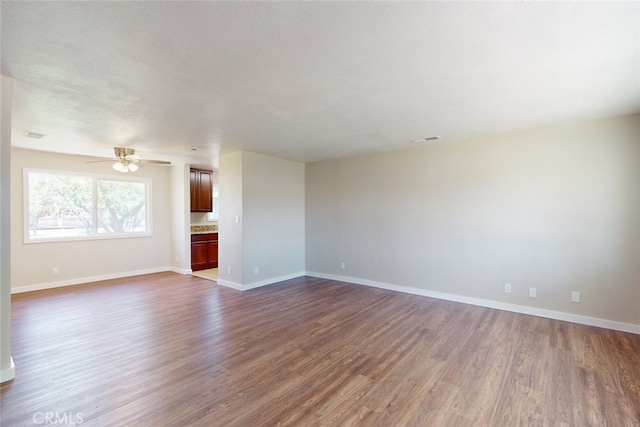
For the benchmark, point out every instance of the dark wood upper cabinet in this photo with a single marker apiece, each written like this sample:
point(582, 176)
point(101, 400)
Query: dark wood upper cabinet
point(201, 190)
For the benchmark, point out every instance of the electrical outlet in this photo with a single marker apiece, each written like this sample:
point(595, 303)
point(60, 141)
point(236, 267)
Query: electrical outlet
point(55, 271)
point(343, 266)
point(256, 271)
point(575, 296)
point(507, 288)
point(533, 293)
point(229, 271)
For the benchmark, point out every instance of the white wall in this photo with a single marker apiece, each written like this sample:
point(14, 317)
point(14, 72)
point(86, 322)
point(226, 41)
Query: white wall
point(80, 261)
point(7, 368)
point(230, 233)
point(180, 258)
point(557, 209)
point(274, 216)
point(267, 196)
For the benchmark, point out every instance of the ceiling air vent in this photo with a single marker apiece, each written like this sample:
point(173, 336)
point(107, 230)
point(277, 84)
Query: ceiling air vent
point(427, 139)
point(34, 135)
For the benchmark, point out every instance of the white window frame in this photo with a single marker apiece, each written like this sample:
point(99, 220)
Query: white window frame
point(214, 216)
point(95, 236)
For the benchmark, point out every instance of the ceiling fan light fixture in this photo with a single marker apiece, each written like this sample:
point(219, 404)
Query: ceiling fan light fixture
point(127, 160)
point(125, 166)
point(120, 167)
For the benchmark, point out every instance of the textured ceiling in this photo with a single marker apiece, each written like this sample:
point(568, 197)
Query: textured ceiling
point(308, 81)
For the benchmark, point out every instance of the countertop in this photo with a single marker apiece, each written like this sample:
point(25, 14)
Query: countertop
point(204, 229)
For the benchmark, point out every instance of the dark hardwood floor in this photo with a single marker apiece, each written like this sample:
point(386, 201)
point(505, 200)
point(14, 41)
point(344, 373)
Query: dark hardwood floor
point(172, 350)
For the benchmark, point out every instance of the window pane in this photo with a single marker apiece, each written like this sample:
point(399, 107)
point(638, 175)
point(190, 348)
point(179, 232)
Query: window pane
point(216, 197)
point(59, 205)
point(121, 206)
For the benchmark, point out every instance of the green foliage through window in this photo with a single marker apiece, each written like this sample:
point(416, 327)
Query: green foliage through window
point(70, 206)
point(121, 206)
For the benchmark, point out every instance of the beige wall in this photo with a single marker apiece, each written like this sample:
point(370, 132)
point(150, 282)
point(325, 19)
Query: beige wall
point(273, 205)
point(31, 264)
point(557, 209)
point(267, 197)
point(230, 232)
point(179, 219)
point(7, 367)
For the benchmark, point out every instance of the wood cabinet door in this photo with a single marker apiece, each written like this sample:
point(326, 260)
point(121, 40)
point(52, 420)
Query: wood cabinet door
point(204, 251)
point(213, 254)
point(199, 255)
point(205, 191)
point(193, 187)
point(201, 190)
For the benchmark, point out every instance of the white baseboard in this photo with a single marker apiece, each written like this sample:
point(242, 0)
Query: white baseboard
point(85, 280)
point(229, 284)
point(549, 314)
point(246, 287)
point(180, 270)
point(9, 373)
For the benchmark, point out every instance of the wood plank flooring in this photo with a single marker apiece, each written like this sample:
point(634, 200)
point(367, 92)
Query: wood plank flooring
point(172, 350)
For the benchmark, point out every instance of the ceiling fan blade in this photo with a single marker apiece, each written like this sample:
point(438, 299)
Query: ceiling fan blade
point(128, 155)
point(102, 161)
point(152, 162)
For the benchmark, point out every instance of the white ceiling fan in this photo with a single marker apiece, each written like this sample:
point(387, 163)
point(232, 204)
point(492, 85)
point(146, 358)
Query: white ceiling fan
point(126, 160)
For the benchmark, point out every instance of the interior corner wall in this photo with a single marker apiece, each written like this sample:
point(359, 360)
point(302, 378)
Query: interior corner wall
point(180, 257)
point(274, 218)
point(85, 260)
point(230, 252)
point(557, 209)
point(7, 367)
point(262, 220)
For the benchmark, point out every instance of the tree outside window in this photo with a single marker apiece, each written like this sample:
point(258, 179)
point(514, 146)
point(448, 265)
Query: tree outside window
point(65, 206)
